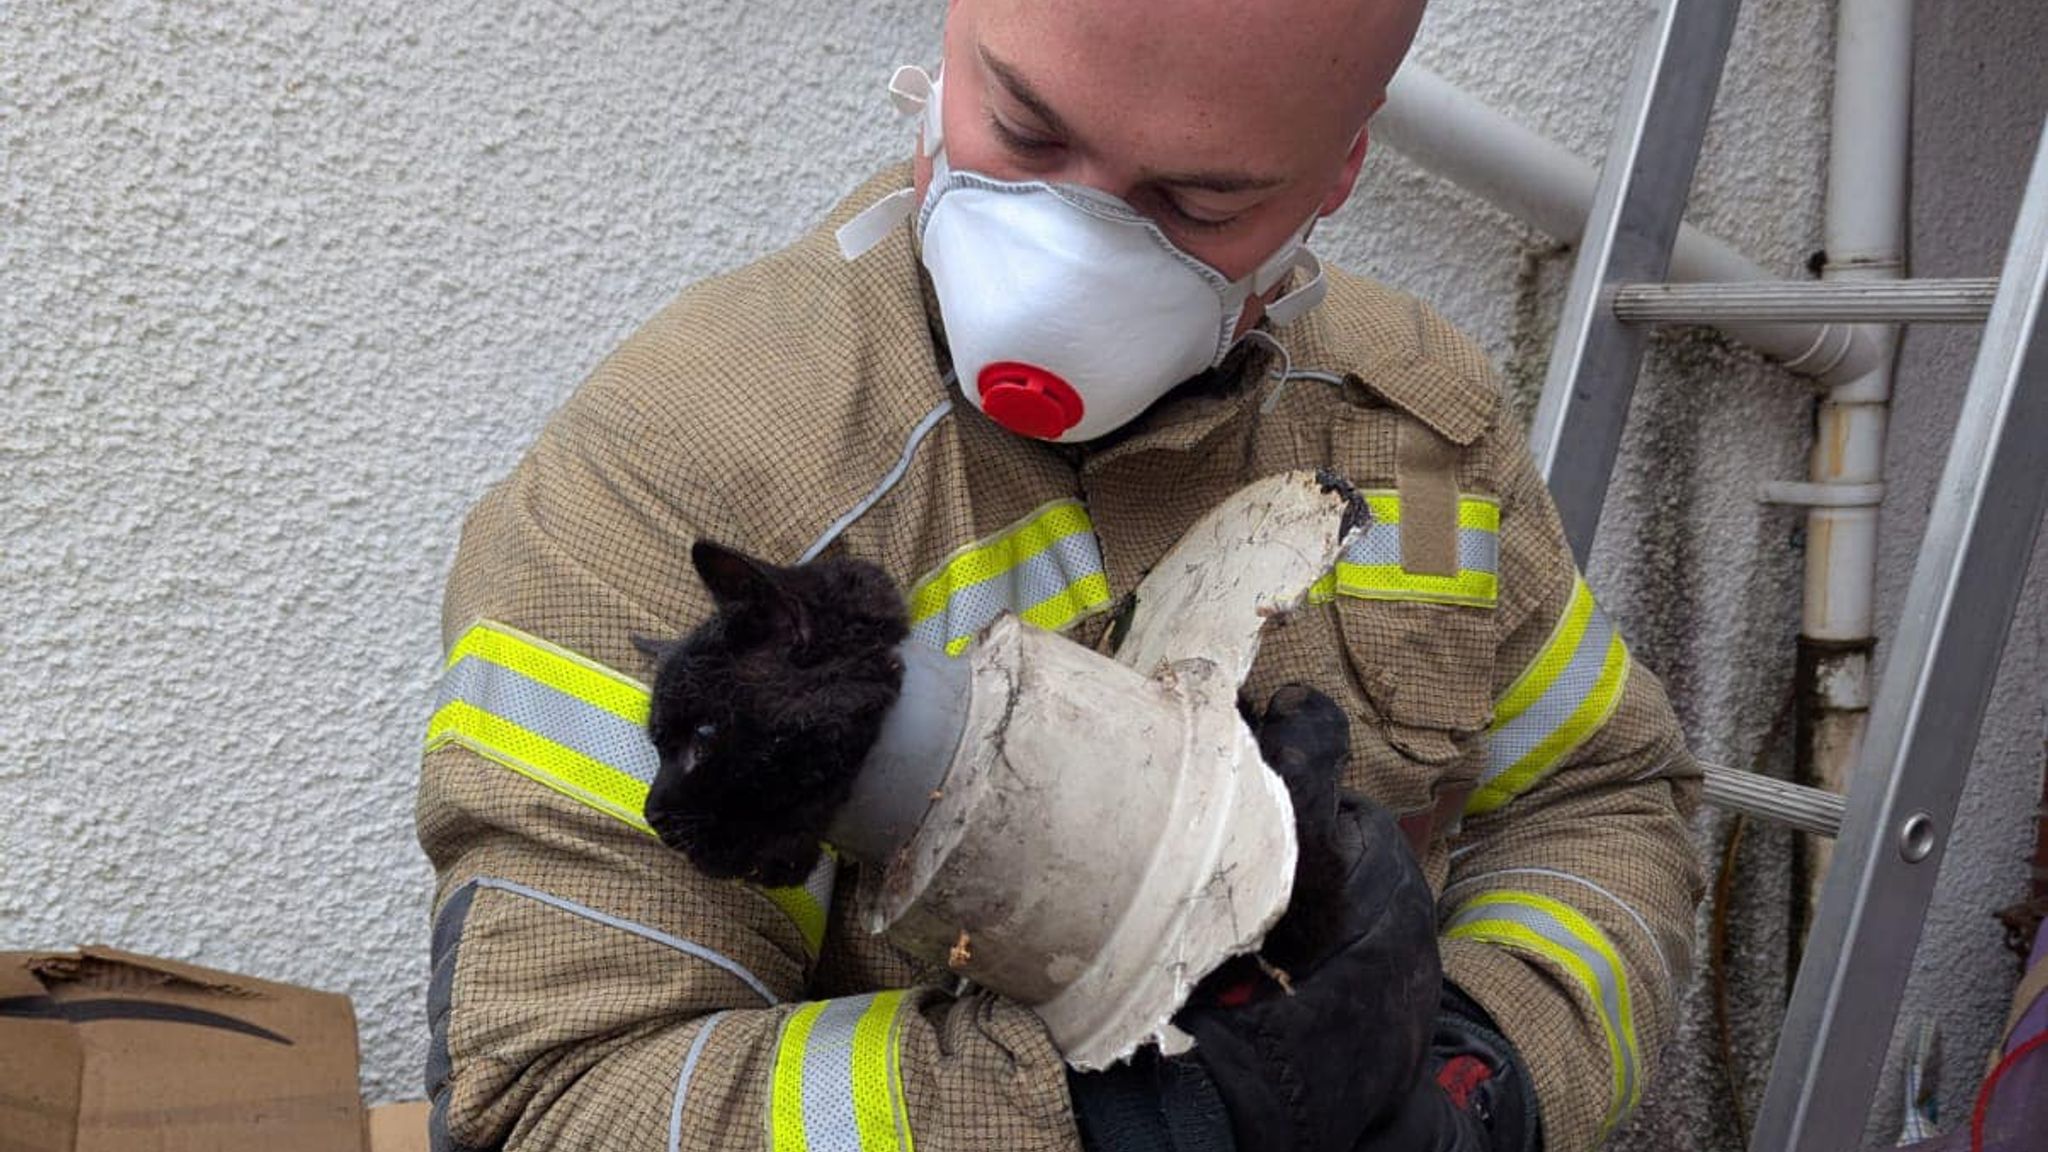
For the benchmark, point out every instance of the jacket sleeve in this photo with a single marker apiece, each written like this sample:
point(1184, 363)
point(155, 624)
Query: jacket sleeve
point(589, 988)
point(1568, 914)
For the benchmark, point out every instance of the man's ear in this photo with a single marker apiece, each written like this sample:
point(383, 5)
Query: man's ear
point(1354, 161)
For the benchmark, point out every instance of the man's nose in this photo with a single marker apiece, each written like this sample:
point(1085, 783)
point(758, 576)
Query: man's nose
point(1096, 175)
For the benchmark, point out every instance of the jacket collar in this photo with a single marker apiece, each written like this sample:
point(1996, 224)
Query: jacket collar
point(1392, 344)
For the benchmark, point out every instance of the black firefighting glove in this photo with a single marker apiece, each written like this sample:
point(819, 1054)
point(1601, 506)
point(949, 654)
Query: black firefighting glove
point(1475, 1097)
point(1322, 1036)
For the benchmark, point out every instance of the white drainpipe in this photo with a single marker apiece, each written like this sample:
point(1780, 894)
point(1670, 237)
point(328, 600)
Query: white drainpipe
point(1450, 132)
point(1545, 185)
point(1865, 240)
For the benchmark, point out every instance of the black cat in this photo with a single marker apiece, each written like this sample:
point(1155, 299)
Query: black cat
point(1305, 738)
point(763, 714)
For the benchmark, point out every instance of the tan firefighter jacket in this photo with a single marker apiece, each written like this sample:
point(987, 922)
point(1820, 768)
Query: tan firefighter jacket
point(591, 990)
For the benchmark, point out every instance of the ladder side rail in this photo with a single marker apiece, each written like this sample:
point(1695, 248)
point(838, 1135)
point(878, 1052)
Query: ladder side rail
point(1924, 726)
point(1644, 181)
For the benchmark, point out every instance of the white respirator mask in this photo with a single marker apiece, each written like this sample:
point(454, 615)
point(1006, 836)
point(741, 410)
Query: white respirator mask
point(1067, 312)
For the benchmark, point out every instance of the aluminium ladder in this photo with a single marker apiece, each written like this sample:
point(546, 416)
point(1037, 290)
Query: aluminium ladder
point(1892, 828)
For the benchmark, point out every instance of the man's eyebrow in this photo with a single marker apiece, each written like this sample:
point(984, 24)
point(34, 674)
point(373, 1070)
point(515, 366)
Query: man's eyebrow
point(1022, 92)
point(1223, 183)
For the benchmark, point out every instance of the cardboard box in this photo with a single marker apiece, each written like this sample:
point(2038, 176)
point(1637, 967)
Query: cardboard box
point(399, 1127)
point(103, 1050)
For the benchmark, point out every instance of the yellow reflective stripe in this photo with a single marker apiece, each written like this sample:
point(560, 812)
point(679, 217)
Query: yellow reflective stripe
point(1058, 610)
point(558, 668)
point(804, 911)
point(1530, 923)
point(837, 1083)
point(1392, 582)
point(1324, 590)
point(506, 655)
point(541, 760)
point(806, 904)
point(786, 1102)
point(1481, 512)
point(1516, 936)
point(1585, 720)
point(1370, 568)
point(1557, 652)
point(1389, 582)
point(1567, 693)
point(1475, 512)
point(985, 560)
point(878, 1076)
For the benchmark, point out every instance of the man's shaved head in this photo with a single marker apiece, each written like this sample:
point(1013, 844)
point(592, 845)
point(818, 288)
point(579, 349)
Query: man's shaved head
point(1307, 59)
point(1229, 122)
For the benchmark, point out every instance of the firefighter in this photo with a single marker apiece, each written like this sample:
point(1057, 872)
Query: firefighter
point(1012, 372)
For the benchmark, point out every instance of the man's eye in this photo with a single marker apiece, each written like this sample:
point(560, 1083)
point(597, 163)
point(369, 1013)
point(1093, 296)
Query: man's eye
point(1194, 222)
point(1021, 143)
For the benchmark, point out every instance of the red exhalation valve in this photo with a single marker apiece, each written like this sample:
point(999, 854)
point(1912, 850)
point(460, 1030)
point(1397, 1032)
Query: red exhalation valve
point(1028, 400)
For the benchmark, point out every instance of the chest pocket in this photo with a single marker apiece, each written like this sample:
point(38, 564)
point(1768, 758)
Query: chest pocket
point(1415, 596)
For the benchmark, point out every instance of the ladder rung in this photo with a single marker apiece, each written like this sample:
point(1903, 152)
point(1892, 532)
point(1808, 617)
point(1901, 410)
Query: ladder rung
point(1808, 302)
point(1814, 810)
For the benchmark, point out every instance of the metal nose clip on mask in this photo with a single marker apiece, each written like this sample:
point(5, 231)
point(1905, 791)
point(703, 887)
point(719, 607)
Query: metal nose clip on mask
point(1067, 312)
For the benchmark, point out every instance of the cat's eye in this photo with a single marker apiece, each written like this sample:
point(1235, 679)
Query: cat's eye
point(694, 750)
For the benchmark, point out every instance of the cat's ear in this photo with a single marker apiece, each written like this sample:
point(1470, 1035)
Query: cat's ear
point(734, 577)
point(738, 580)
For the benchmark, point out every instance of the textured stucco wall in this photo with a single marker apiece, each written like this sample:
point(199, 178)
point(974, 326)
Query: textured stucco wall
point(281, 289)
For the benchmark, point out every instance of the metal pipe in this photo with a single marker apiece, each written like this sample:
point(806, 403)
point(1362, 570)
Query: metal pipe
point(1767, 798)
point(1542, 183)
point(1864, 230)
point(1847, 301)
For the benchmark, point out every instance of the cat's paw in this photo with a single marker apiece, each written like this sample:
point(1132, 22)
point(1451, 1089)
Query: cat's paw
point(1305, 738)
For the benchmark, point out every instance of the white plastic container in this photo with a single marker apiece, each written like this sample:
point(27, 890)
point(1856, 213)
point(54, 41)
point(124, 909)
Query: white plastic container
point(1104, 833)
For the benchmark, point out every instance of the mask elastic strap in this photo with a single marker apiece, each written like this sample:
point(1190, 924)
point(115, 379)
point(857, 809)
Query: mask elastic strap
point(914, 92)
point(1296, 304)
point(872, 224)
point(1283, 373)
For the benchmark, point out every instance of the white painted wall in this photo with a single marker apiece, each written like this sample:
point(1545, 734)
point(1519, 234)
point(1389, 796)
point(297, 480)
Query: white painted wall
point(282, 287)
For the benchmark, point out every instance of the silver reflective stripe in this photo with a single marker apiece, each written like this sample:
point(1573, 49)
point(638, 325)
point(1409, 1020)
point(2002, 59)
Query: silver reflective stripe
point(829, 1120)
point(1380, 543)
point(591, 731)
point(1656, 949)
point(1478, 550)
point(675, 1108)
point(1610, 985)
point(836, 1084)
point(656, 935)
point(1516, 739)
point(1065, 562)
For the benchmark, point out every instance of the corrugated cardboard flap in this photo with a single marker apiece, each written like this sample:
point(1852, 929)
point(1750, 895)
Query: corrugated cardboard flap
point(41, 1063)
point(174, 1056)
